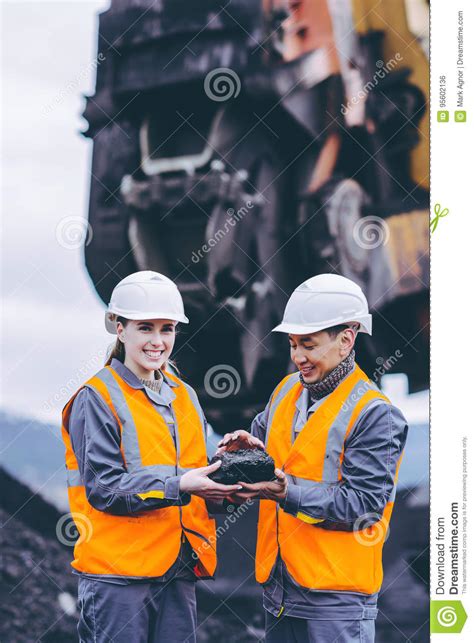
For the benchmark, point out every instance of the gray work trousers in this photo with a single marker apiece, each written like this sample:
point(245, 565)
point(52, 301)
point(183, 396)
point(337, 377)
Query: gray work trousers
point(138, 612)
point(292, 629)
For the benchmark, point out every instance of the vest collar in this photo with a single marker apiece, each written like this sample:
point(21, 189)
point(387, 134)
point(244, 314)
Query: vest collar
point(164, 397)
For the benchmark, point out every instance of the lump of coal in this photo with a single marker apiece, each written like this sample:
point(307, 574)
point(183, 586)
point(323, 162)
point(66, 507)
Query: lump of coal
point(244, 465)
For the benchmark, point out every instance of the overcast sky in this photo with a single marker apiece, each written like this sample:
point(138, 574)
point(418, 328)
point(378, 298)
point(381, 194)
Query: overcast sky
point(52, 319)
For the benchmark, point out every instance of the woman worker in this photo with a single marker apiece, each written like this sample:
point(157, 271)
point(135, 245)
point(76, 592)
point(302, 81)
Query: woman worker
point(135, 438)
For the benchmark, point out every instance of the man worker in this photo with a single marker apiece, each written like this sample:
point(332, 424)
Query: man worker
point(337, 442)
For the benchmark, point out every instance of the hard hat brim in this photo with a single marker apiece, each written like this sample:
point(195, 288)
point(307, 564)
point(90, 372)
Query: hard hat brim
point(111, 323)
point(297, 329)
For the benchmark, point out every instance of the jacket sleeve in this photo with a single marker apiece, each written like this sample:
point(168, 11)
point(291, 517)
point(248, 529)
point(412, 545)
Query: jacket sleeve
point(95, 438)
point(372, 453)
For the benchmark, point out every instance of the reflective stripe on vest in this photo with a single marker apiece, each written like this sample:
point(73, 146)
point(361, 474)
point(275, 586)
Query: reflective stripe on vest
point(148, 543)
point(315, 557)
point(130, 445)
point(285, 386)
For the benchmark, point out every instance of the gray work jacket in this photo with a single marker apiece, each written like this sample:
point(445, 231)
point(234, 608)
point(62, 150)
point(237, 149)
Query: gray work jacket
point(95, 439)
point(371, 454)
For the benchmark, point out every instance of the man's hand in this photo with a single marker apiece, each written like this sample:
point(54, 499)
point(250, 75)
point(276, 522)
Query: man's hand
point(197, 482)
point(271, 490)
point(239, 440)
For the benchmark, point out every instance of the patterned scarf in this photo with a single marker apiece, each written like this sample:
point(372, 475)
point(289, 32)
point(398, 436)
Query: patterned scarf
point(155, 384)
point(318, 390)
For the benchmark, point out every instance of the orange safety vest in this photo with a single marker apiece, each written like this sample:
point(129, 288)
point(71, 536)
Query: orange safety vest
point(317, 558)
point(145, 544)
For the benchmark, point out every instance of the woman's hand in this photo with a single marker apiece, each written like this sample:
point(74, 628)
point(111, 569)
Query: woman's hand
point(271, 490)
point(239, 440)
point(197, 482)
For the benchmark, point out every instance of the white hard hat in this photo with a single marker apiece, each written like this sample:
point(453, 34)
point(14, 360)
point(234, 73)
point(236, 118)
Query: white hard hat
point(144, 295)
point(324, 301)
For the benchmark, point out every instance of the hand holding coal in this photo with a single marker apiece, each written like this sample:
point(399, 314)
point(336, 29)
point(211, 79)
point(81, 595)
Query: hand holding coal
point(239, 440)
point(244, 465)
point(198, 482)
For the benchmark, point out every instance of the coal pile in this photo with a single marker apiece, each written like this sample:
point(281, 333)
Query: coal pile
point(243, 465)
point(38, 590)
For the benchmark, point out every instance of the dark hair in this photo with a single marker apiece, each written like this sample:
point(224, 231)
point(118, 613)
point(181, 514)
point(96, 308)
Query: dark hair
point(333, 331)
point(118, 352)
point(118, 349)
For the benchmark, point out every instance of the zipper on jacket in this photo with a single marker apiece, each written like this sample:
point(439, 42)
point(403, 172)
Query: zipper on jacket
point(196, 533)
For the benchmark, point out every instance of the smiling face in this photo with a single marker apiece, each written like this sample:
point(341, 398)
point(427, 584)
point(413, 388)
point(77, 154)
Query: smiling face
point(148, 344)
point(317, 354)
